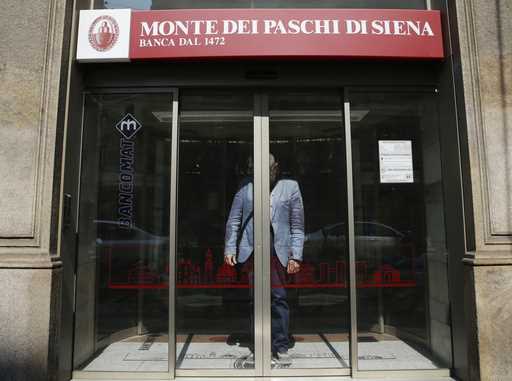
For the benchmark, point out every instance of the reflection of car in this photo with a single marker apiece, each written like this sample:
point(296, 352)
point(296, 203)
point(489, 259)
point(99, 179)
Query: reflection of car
point(130, 255)
point(364, 231)
point(375, 244)
point(114, 233)
point(362, 228)
point(384, 256)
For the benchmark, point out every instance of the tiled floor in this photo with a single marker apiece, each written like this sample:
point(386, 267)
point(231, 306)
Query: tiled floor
point(309, 351)
point(149, 354)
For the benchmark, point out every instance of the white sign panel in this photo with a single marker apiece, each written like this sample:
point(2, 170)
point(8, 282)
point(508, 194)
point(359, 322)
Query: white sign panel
point(395, 160)
point(104, 35)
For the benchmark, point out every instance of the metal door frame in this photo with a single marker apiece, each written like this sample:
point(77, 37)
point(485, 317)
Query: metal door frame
point(266, 265)
point(262, 268)
point(262, 283)
point(355, 371)
point(258, 260)
point(173, 93)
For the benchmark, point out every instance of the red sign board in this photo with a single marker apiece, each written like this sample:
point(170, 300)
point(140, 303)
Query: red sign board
point(274, 33)
point(319, 33)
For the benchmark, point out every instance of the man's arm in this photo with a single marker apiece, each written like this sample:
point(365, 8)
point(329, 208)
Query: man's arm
point(233, 225)
point(296, 223)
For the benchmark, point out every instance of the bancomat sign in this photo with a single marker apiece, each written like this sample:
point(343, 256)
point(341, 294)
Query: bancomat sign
point(123, 34)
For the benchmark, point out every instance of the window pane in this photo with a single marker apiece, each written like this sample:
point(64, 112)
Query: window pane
point(214, 300)
point(123, 258)
point(401, 255)
point(308, 252)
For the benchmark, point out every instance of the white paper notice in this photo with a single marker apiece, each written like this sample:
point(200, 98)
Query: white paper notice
point(395, 158)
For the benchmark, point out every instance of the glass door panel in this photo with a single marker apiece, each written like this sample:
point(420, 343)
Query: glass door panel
point(214, 270)
point(308, 253)
point(400, 246)
point(122, 289)
point(246, 288)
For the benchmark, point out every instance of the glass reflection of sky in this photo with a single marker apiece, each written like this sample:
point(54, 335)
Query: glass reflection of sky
point(133, 4)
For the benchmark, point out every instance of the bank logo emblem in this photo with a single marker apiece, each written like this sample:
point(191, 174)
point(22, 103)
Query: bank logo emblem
point(103, 33)
point(128, 126)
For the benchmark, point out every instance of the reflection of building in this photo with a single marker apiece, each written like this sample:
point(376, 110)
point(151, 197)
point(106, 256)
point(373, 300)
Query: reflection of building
point(324, 273)
point(226, 274)
point(189, 273)
point(208, 267)
point(340, 272)
point(306, 275)
point(332, 273)
point(361, 272)
point(386, 274)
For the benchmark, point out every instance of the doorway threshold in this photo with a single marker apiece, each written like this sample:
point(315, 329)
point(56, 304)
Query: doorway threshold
point(338, 378)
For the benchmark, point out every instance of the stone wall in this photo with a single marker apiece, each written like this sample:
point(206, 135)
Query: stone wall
point(485, 30)
point(30, 74)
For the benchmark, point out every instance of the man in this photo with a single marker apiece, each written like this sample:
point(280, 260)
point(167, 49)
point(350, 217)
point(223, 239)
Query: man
point(287, 241)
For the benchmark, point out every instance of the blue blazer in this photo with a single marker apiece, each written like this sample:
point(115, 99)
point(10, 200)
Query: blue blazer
point(286, 216)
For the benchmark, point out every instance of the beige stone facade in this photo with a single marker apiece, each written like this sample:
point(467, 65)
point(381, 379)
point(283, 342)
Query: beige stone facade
point(486, 60)
point(34, 64)
point(31, 72)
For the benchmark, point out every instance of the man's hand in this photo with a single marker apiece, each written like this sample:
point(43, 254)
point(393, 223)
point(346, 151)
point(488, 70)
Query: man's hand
point(230, 259)
point(293, 266)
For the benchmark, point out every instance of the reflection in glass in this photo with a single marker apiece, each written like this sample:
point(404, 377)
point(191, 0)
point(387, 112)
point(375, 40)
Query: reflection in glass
point(206, 4)
point(214, 308)
point(122, 262)
point(309, 297)
point(401, 257)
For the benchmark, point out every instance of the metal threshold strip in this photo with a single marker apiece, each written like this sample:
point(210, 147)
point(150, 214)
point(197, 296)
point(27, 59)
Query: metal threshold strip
point(338, 378)
point(442, 374)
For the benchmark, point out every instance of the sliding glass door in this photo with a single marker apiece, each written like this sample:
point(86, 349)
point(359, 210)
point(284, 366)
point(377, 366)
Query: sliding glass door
point(307, 291)
point(258, 290)
point(122, 270)
point(215, 297)
point(403, 319)
point(280, 232)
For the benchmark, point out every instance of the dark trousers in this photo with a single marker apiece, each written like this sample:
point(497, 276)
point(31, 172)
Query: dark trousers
point(280, 311)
